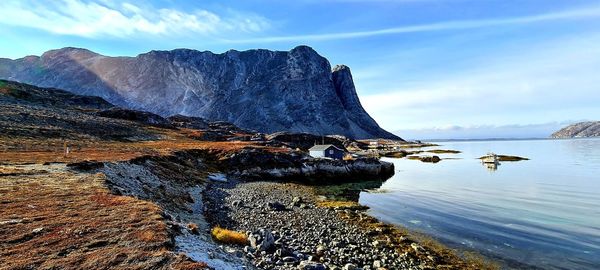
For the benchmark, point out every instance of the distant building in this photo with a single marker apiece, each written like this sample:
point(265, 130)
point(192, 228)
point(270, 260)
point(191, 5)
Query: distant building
point(326, 151)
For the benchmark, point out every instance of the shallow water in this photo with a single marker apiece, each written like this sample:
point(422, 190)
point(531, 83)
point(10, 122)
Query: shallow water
point(544, 212)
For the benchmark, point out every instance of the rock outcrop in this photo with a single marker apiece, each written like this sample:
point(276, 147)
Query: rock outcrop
point(136, 116)
point(304, 141)
point(579, 130)
point(257, 164)
point(262, 90)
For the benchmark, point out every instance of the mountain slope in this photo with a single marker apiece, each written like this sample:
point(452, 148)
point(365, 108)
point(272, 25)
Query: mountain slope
point(262, 90)
point(579, 130)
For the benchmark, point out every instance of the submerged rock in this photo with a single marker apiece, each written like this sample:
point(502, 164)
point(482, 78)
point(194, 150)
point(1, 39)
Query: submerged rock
point(430, 159)
point(507, 158)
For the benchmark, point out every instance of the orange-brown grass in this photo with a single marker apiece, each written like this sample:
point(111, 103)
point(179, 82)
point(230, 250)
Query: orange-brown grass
point(62, 219)
point(348, 157)
point(228, 236)
point(108, 199)
point(21, 151)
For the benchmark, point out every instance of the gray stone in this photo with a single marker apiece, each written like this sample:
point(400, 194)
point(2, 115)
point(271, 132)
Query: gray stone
point(253, 241)
point(289, 259)
point(296, 201)
point(236, 203)
point(276, 206)
point(306, 265)
point(249, 249)
point(321, 249)
point(349, 266)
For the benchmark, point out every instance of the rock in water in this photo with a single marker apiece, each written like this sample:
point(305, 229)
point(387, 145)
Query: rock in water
point(579, 130)
point(262, 90)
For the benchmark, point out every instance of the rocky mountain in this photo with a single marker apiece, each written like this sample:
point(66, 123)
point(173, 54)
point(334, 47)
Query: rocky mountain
point(263, 90)
point(579, 130)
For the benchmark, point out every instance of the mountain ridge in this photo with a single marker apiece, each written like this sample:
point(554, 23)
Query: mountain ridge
point(579, 130)
point(259, 89)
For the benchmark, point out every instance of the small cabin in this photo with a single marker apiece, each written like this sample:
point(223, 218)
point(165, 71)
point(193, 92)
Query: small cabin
point(326, 151)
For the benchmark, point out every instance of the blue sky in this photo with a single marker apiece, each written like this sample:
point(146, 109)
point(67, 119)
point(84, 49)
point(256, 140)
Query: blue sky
point(426, 69)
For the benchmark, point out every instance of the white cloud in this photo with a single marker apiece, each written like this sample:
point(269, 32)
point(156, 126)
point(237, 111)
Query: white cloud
point(550, 81)
point(590, 12)
point(108, 19)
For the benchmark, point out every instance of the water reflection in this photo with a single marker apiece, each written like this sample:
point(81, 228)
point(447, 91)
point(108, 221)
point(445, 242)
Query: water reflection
point(542, 212)
point(491, 167)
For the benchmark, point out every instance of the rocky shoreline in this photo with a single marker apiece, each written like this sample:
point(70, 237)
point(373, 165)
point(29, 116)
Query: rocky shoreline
point(286, 227)
point(289, 227)
point(116, 188)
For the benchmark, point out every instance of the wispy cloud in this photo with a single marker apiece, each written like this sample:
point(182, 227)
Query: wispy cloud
point(371, 1)
point(554, 80)
point(94, 19)
point(589, 12)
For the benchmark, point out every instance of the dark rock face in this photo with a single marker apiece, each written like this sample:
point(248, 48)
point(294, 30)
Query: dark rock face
point(181, 121)
point(32, 112)
point(258, 164)
point(262, 90)
point(304, 141)
point(137, 116)
point(579, 130)
point(19, 93)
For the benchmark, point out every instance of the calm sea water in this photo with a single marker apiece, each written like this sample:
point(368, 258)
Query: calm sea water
point(542, 213)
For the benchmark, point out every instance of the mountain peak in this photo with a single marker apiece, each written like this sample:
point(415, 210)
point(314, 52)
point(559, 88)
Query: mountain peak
point(303, 48)
point(341, 68)
point(259, 89)
point(72, 52)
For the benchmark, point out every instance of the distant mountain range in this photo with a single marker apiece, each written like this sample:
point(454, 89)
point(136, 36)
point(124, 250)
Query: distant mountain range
point(263, 90)
point(579, 130)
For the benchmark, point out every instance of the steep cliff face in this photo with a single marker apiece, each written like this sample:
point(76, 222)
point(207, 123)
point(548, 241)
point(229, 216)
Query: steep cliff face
point(262, 90)
point(345, 90)
point(579, 130)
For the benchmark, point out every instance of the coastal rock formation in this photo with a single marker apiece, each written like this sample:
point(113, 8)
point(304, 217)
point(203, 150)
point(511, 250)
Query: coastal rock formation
point(304, 141)
point(579, 130)
point(263, 90)
point(258, 164)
